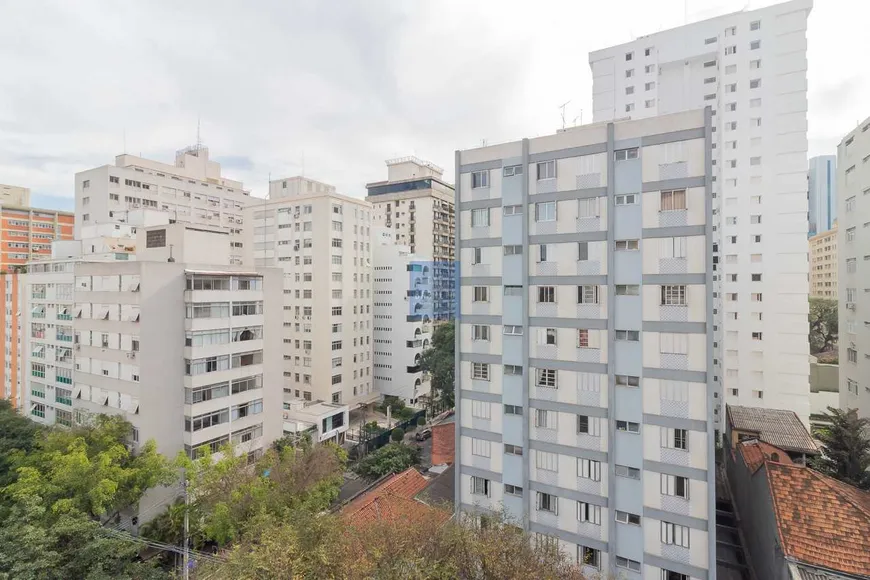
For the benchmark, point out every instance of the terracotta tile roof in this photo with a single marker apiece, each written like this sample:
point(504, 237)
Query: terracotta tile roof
point(821, 521)
point(406, 484)
point(443, 443)
point(755, 453)
point(778, 427)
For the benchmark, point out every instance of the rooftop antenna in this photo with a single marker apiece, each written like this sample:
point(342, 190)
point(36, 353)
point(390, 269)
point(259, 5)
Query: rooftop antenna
point(562, 107)
point(198, 139)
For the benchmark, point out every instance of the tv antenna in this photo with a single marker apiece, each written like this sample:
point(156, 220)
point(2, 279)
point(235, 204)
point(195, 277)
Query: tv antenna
point(562, 107)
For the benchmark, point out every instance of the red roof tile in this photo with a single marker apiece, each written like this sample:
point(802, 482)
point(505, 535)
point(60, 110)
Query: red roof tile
point(755, 453)
point(443, 443)
point(393, 500)
point(406, 484)
point(821, 521)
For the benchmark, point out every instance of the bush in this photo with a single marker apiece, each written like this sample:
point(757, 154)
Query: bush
point(391, 458)
point(421, 420)
point(397, 435)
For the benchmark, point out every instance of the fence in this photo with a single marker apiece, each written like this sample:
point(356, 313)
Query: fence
point(369, 440)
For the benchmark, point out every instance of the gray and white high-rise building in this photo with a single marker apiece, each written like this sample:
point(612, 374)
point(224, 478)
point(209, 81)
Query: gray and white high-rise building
point(585, 390)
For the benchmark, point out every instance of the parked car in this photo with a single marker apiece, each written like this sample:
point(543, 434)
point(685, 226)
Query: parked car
point(423, 435)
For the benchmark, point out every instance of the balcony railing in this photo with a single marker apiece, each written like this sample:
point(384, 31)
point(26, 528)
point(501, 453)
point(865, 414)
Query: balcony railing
point(64, 337)
point(64, 316)
point(64, 380)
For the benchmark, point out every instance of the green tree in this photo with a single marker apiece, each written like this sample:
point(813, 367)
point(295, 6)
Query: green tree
point(391, 458)
point(18, 437)
point(823, 325)
point(397, 435)
point(439, 361)
point(845, 447)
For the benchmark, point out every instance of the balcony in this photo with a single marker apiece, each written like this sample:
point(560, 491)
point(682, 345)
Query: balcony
point(64, 337)
point(64, 380)
point(415, 369)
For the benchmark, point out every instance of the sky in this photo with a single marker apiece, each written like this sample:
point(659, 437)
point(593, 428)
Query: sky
point(331, 89)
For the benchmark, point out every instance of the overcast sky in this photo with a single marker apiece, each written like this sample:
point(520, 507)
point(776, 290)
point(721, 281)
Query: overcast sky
point(332, 88)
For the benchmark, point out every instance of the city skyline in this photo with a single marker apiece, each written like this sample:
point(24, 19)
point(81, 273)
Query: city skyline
point(396, 102)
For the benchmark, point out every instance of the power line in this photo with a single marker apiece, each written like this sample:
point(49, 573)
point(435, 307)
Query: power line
point(161, 545)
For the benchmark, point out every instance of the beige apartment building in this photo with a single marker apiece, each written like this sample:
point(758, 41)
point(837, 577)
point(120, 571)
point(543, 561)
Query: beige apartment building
point(823, 264)
point(191, 191)
point(14, 195)
point(418, 207)
point(322, 241)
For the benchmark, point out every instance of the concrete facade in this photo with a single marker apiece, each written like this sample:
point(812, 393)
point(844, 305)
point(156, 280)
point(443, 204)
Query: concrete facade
point(822, 194)
point(191, 191)
point(586, 399)
point(14, 195)
point(322, 242)
point(751, 68)
point(853, 241)
point(823, 264)
point(28, 232)
point(417, 206)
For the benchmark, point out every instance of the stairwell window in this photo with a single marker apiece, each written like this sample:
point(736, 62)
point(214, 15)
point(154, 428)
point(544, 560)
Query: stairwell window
point(628, 335)
point(625, 154)
point(624, 245)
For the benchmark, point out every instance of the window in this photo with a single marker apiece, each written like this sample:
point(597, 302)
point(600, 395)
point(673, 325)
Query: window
point(729, 50)
point(587, 556)
point(513, 409)
point(513, 330)
point(627, 381)
point(547, 503)
point(850, 204)
point(547, 461)
point(649, 86)
point(582, 251)
point(628, 426)
point(755, 45)
point(629, 472)
point(629, 91)
point(626, 245)
point(479, 179)
point(626, 199)
point(624, 154)
point(673, 343)
point(629, 56)
point(513, 210)
point(675, 438)
point(755, 25)
point(850, 235)
point(513, 250)
point(675, 485)
point(547, 170)
point(628, 335)
point(589, 469)
point(674, 295)
point(675, 534)
point(650, 67)
point(512, 489)
point(756, 336)
point(587, 425)
point(588, 513)
point(852, 355)
point(627, 518)
point(673, 200)
point(479, 486)
point(547, 336)
point(480, 447)
point(547, 294)
point(479, 218)
point(668, 575)
point(480, 371)
point(754, 83)
point(546, 378)
point(629, 73)
point(633, 565)
point(481, 294)
point(513, 290)
point(587, 208)
point(673, 247)
point(587, 294)
point(627, 290)
point(512, 170)
point(545, 211)
point(546, 419)
point(477, 255)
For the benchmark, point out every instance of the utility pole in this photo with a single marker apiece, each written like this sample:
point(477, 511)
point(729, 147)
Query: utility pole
point(186, 527)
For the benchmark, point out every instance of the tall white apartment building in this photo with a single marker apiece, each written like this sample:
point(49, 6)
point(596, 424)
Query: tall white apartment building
point(853, 246)
point(417, 206)
point(584, 380)
point(822, 193)
point(322, 241)
point(172, 338)
point(403, 308)
point(192, 191)
point(751, 67)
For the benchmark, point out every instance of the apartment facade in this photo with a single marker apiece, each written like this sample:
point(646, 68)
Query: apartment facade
point(191, 191)
point(174, 345)
point(853, 242)
point(28, 232)
point(14, 195)
point(417, 206)
point(12, 286)
point(751, 68)
point(585, 391)
point(403, 314)
point(822, 193)
point(322, 242)
point(823, 264)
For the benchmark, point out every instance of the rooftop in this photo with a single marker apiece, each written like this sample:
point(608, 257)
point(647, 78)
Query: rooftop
point(755, 453)
point(778, 427)
point(393, 499)
point(821, 521)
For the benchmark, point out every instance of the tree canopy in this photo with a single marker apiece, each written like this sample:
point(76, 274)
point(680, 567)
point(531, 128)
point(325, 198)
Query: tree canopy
point(18, 436)
point(391, 458)
point(824, 327)
point(845, 447)
point(438, 360)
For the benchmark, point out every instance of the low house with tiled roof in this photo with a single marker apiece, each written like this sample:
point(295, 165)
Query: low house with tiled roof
point(778, 427)
point(393, 498)
point(798, 523)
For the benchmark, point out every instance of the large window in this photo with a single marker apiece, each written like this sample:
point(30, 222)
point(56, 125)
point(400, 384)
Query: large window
point(546, 378)
point(547, 294)
point(207, 282)
point(207, 337)
point(675, 485)
point(208, 310)
point(480, 179)
point(480, 371)
point(673, 200)
point(479, 217)
point(481, 294)
point(587, 556)
point(545, 211)
point(247, 308)
point(588, 513)
point(674, 295)
point(587, 294)
point(546, 170)
point(589, 469)
point(675, 534)
point(548, 503)
point(206, 393)
point(480, 332)
point(480, 486)
point(206, 420)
